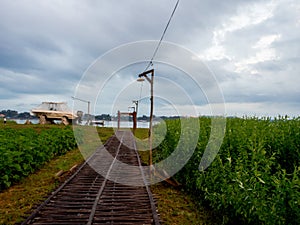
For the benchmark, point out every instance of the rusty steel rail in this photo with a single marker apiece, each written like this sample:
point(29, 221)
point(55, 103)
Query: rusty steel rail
point(88, 197)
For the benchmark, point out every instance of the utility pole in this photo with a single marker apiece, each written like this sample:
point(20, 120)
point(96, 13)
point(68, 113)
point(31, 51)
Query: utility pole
point(151, 81)
point(136, 102)
point(88, 110)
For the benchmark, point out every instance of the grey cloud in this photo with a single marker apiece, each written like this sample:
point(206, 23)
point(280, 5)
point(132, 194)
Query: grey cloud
point(50, 44)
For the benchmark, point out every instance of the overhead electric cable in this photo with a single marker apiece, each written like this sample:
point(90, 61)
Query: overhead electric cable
point(162, 36)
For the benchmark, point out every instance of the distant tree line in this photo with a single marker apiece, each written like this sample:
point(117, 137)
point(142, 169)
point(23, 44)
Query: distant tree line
point(13, 114)
point(106, 117)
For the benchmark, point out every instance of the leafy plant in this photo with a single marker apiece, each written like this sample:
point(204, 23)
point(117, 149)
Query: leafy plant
point(24, 150)
point(255, 177)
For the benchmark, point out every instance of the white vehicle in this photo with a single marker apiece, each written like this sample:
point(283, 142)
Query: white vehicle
point(47, 112)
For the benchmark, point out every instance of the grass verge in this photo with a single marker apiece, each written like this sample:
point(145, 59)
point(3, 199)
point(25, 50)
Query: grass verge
point(177, 207)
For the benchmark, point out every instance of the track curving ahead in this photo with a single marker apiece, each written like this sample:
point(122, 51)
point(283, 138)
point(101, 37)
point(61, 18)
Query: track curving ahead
point(89, 198)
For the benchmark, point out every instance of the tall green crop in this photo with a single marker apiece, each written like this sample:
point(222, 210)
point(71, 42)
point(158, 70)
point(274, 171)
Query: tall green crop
point(254, 178)
point(24, 150)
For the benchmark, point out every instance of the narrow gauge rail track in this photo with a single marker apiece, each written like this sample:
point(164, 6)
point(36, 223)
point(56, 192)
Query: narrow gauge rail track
point(89, 198)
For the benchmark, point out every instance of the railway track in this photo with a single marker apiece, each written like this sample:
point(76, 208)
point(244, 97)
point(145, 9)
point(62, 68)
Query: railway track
point(119, 196)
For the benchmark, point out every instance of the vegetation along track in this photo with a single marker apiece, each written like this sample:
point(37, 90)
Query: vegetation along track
point(87, 197)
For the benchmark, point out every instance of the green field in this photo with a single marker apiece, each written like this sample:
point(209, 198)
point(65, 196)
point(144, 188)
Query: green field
point(25, 148)
point(253, 180)
point(255, 177)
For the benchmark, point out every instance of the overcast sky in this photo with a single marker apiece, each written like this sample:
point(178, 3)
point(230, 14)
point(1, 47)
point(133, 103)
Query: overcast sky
point(252, 47)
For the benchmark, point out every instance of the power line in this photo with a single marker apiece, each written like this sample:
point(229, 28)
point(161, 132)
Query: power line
point(162, 36)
